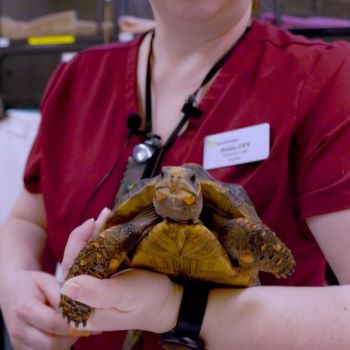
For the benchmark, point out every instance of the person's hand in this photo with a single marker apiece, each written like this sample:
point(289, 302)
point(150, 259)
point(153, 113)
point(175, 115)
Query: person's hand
point(80, 236)
point(29, 303)
point(133, 299)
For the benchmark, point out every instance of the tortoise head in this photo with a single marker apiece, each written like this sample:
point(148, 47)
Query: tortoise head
point(177, 195)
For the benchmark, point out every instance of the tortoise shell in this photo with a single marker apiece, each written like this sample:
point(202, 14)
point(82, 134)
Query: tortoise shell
point(183, 223)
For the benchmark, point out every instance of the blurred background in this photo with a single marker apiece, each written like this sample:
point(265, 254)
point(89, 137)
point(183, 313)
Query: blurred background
point(36, 35)
point(65, 27)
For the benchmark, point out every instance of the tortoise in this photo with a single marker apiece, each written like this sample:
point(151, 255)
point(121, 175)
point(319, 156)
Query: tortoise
point(182, 222)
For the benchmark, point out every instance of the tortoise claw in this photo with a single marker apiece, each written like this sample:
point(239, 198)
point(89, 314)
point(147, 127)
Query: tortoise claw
point(287, 270)
point(65, 317)
point(76, 322)
point(74, 311)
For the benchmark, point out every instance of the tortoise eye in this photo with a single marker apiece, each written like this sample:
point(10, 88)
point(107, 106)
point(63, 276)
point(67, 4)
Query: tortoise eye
point(193, 178)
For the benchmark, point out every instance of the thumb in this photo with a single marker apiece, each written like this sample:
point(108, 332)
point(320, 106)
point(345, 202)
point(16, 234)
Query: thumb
point(92, 291)
point(76, 241)
point(80, 236)
point(101, 220)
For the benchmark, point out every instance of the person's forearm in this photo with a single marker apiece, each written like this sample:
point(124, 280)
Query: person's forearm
point(21, 245)
point(285, 318)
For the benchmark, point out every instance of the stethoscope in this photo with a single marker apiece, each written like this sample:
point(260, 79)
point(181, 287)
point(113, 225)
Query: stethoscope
point(146, 156)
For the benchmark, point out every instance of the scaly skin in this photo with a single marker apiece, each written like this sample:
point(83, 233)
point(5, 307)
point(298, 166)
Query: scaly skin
point(100, 258)
point(256, 246)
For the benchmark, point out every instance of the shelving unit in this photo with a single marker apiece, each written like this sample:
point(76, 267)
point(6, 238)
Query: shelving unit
point(324, 33)
point(330, 20)
point(26, 68)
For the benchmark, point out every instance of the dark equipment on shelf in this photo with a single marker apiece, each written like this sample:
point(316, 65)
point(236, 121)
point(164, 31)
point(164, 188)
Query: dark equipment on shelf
point(25, 70)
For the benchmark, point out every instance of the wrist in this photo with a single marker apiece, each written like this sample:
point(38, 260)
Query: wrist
point(170, 309)
point(224, 307)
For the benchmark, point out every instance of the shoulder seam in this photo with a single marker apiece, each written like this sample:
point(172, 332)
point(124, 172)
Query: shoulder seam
point(335, 71)
point(293, 42)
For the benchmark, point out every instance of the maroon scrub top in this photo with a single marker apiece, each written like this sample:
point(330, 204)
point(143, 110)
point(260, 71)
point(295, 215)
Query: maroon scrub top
point(300, 87)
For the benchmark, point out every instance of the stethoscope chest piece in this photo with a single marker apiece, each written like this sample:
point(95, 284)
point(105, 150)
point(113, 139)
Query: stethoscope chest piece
point(142, 152)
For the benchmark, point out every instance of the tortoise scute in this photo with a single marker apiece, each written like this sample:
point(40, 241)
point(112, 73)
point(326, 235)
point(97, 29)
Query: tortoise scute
point(132, 203)
point(239, 196)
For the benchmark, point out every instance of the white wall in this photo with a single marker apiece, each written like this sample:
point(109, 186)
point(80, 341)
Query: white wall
point(17, 132)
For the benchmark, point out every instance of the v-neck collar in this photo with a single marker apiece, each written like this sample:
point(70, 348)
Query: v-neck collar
point(214, 92)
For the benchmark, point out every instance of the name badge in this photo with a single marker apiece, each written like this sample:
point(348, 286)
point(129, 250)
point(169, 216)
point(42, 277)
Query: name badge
point(238, 146)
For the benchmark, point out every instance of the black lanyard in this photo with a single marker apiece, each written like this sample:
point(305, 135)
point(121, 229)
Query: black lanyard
point(140, 167)
point(190, 108)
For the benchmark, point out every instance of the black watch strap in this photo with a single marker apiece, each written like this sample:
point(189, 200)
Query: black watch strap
point(185, 335)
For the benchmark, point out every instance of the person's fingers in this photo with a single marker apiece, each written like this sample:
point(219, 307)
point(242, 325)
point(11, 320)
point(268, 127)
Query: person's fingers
point(111, 319)
point(31, 320)
point(50, 289)
point(30, 338)
point(133, 299)
point(122, 292)
point(92, 291)
point(101, 219)
point(103, 296)
point(43, 317)
point(76, 241)
point(80, 236)
point(48, 318)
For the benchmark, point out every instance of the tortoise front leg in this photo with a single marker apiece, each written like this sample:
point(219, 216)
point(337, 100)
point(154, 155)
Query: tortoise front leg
point(255, 245)
point(101, 258)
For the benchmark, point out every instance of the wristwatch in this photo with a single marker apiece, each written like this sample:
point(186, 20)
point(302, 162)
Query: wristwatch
point(185, 335)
